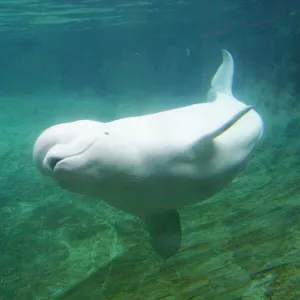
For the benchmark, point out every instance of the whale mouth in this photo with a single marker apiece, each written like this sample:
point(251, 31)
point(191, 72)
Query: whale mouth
point(53, 161)
point(59, 153)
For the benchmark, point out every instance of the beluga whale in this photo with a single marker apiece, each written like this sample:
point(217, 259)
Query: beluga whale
point(152, 165)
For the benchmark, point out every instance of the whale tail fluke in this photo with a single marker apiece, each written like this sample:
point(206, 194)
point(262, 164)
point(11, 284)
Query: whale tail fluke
point(222, 80)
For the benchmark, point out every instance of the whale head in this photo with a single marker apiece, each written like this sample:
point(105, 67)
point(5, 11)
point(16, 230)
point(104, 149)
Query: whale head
point(81, 156)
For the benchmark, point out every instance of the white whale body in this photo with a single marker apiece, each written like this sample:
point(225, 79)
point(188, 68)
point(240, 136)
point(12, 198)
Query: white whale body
point(152, 165)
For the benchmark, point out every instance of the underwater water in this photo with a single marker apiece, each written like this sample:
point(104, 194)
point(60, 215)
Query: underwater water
point(68, 60)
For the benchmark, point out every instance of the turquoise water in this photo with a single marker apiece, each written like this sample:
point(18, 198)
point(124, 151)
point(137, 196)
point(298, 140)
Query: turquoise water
point(86, 60)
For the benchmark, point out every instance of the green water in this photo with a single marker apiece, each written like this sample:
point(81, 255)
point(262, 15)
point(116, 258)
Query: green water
point(73, 60)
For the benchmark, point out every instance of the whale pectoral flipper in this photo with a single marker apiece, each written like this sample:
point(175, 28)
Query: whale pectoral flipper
point(165, 231)
point(203, 145)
